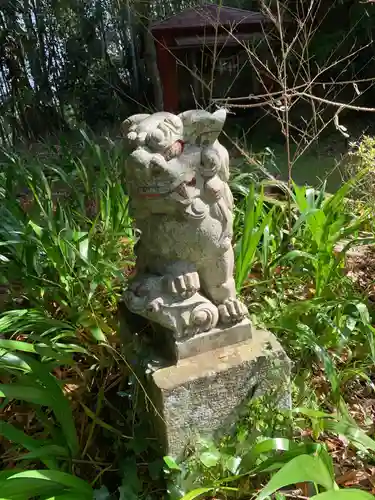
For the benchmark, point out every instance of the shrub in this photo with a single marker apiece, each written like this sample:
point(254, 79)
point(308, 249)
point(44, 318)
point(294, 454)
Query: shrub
point(361, 156)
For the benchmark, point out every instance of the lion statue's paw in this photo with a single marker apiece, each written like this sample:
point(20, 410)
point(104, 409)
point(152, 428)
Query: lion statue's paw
point(185, 285)
point(232, 311)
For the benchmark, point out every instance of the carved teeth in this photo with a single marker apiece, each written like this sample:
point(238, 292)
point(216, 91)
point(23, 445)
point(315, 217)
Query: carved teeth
point(181, 190)
point(157, 187)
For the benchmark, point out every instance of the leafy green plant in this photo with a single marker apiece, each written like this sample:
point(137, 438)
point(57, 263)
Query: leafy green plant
point(343, 425)
point(309, 246)
point(263, 443)
point(316, 469)
point(321, 224)
point(66, 256)
point(255, 228)
point(65, 245)
point(27, 365)
point(297, 280)
point(46, 484)
point(361, 158)
point(233, 476)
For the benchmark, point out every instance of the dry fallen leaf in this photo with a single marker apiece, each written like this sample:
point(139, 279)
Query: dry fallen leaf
point(352, 478)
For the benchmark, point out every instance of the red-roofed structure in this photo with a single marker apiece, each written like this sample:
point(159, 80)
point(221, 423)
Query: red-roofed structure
point(197, 32)
point(208, 15)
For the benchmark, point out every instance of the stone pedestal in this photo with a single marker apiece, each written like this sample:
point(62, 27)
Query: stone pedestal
point(204, 393)
point(205, 381)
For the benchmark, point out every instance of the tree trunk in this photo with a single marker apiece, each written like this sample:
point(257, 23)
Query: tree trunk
point(152, 69)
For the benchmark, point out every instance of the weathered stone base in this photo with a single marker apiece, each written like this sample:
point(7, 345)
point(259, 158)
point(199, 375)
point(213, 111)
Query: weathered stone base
point(204, 393)
point(215, 338)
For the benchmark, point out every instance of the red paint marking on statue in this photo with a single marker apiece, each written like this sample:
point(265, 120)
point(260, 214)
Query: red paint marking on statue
point(150, 195)
point(175, 150)
point(193, 182)
point(182, 144)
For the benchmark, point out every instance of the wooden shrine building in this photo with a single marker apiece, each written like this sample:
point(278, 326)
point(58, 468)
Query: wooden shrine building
point(203, 45)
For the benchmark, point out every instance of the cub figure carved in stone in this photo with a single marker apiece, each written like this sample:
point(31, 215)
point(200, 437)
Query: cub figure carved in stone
point(177, 178)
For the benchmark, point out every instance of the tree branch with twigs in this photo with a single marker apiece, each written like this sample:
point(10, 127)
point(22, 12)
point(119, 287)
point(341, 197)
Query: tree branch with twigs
point(299, 75)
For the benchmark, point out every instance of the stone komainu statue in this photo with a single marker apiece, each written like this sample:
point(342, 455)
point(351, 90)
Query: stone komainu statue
point(177, 179)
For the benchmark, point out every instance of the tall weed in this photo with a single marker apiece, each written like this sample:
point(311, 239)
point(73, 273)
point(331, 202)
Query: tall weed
point(293, 278)
point(66, 246)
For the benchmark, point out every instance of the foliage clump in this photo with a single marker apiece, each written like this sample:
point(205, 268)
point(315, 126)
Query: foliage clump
point(361, 158)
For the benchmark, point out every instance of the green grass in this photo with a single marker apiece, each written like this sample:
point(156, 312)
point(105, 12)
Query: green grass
point(310, 169)
point(317, 164)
